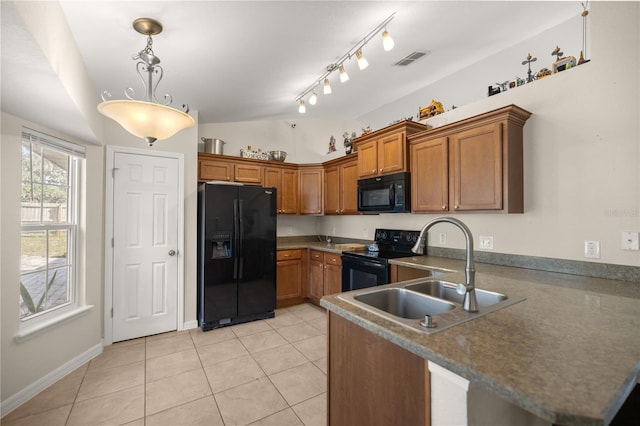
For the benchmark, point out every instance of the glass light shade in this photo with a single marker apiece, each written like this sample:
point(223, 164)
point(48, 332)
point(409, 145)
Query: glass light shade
point(387, 41)
point(362, 62)
point(146, 119)
point(302, 109)
point(344, 77)
point(313, 99)
point(327, 87)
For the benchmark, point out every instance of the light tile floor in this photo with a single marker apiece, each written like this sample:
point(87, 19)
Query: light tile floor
point(269, 372)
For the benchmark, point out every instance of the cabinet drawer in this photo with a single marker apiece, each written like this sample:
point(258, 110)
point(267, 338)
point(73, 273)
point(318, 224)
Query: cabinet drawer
point(288, 254)
point(332, 259)
point(317, 255)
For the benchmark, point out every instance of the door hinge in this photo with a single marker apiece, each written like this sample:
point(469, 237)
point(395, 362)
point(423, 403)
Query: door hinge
point(113, 172)
point(111, 312)
point(112, 243)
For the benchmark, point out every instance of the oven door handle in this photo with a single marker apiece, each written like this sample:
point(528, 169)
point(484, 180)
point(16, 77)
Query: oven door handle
point(362, 262)
point(392, 196)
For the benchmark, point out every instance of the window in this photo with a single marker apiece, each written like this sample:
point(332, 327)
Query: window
point(49, 225)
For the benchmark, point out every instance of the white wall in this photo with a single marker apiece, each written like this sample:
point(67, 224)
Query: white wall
point(307, 142)
point(581, 149)
point(28, 361)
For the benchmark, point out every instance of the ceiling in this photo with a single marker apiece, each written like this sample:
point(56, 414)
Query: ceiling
point(243, 61)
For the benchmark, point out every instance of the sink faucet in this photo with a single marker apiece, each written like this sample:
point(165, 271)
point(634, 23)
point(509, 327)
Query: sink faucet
point(470, 302)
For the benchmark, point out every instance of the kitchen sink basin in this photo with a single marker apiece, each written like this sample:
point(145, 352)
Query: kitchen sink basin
point(408, 302)
point(404, 303)
point(447, 290)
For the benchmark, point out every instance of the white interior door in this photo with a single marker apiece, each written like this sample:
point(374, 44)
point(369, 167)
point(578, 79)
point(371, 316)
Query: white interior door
point(145, 243)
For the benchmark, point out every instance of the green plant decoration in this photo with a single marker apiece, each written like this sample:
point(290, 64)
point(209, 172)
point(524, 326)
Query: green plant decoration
point(28, 300)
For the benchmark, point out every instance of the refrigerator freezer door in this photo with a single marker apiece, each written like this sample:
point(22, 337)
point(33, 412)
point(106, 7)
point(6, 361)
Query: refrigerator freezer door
point(257, 247)
point(217, 251)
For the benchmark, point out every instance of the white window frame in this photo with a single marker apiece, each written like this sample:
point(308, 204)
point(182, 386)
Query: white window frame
point(40, 321)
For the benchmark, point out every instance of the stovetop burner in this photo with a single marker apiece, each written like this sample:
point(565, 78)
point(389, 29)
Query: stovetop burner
point(392, 243)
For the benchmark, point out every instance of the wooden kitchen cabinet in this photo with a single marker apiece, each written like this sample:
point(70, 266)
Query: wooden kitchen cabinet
point(290, 281)
point(248, 173)
point(325, 274)
point(385, 151)
point(311, 185)
point(471, 165)
point(286, 182)
point(215, 170)
point(341, 186)
point(388, 384)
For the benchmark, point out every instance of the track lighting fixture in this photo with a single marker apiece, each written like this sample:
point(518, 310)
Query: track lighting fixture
point(362, 61)
point(356, 51)
point(344, 77)
point(314, 98)
point(327, 87)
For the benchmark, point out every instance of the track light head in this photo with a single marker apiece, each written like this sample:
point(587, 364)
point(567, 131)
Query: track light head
point(327, 87)
point(387, 41)
point(362, 61)
point(301, 108)
point(344, 77)
point(313, 99)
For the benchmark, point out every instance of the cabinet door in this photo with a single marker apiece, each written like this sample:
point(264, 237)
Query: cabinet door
point(311, 191)
point(476, 168)
point(332, 273)
point(316, 281)
point(332, 190)
point(214, 170)
point(273, 178)
point(368, 159)
point(430, 176)
point(392, 154)
point(289, 191)
point(248, 173)
point(349, 188)
point(289, 279)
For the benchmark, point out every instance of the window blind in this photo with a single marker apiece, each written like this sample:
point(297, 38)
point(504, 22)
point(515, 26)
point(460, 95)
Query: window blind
point(68, 148)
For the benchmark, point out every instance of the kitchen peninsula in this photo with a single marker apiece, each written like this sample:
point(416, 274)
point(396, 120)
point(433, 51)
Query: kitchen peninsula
point(568, 354)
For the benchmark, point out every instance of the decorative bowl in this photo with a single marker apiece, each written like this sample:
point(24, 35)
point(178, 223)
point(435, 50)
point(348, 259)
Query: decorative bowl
point(278, 155)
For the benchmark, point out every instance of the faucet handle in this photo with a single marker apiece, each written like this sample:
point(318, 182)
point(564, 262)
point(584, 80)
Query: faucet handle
point(461, 288)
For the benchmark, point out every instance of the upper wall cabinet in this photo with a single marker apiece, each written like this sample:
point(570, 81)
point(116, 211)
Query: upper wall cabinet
point(341, 186)
point(385, 151)
point(311, 194)
point(285, 179)
point(471, 165)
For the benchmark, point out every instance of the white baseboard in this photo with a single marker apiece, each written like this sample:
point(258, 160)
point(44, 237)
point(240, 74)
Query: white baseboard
point(19, 398)
point(188, 325)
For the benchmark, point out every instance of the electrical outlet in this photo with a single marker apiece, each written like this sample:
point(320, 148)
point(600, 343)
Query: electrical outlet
point(486, 243)
point(592, 249)
point(629, 240)
point(443, 238)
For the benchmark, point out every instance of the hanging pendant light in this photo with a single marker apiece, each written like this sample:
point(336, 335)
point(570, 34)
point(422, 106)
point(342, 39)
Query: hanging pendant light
point(147, 119)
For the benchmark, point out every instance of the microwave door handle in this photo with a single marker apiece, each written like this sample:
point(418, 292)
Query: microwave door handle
point(392, 195)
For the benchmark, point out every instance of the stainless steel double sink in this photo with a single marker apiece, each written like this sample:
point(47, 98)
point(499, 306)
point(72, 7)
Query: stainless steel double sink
point(408, 303)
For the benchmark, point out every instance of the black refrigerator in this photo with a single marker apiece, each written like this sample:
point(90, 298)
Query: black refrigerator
point(236, 254)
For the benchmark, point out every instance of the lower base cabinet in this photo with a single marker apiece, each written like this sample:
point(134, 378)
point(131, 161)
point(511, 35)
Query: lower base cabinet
point(290, 282)
point(325, 274)
point(373, 381)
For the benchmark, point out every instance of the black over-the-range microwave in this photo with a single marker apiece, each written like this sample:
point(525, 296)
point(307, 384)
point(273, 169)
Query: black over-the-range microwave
point(385, 194)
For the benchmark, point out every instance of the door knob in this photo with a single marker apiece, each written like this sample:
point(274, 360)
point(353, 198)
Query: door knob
point(172, 252)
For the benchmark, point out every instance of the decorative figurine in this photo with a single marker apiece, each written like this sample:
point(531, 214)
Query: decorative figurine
point(528, 61)
point(366, 130)
point(430, 110)
point(332, 145)
point(557, 52)
point(348, 144)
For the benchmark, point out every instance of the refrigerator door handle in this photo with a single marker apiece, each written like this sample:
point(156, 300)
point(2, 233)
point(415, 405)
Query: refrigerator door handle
point(240, 239)
point(235, 239)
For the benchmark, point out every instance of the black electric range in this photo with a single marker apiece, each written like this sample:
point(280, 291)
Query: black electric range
point(361, 269)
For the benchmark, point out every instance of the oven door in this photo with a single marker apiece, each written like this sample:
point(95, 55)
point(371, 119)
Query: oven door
point(359, 272)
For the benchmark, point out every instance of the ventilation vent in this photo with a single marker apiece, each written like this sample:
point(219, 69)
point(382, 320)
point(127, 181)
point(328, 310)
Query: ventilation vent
point(411, 58)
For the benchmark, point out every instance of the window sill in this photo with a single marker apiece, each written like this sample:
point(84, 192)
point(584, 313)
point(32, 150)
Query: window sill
point(28, 332)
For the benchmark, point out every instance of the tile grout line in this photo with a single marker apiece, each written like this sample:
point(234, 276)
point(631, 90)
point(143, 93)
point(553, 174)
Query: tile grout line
point(215, 401)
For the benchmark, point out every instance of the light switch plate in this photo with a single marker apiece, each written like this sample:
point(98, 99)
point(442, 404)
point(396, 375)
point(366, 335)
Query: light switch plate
point(486, 242)
point(592, 249)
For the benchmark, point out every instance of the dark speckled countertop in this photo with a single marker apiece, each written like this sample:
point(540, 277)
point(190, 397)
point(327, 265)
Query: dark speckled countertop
point(569, 353)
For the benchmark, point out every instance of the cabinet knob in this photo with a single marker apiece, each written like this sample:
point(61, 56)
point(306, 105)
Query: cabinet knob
point(456, 207)
point(444, 207)
point(286, 255)
point(381, 170)
point(373, 171)
point(227, 178)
